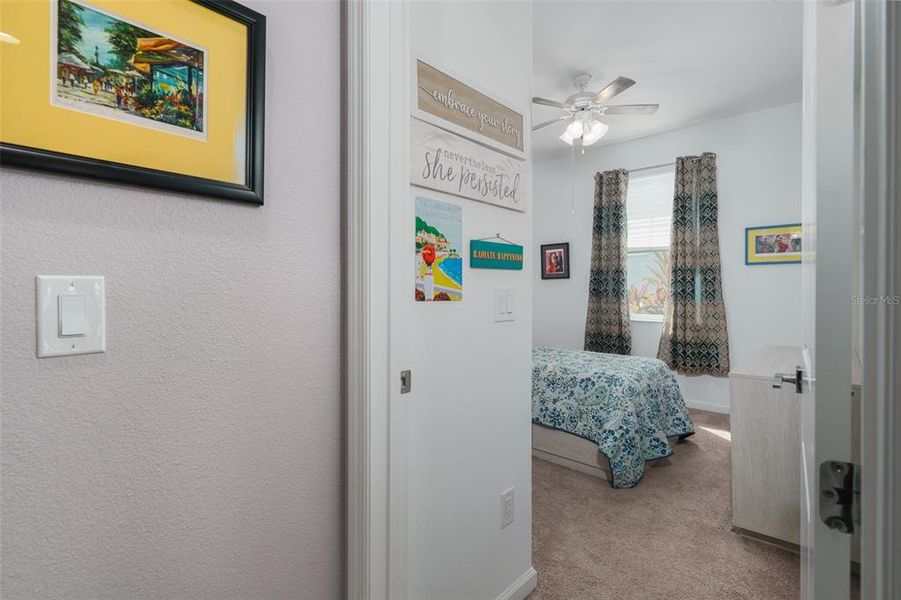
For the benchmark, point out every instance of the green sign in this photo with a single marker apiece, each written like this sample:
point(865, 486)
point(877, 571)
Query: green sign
point(492, 255)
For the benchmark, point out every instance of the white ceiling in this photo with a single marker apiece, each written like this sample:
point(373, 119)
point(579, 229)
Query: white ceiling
point(699, 60)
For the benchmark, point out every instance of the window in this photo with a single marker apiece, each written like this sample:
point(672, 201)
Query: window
point(649, 209)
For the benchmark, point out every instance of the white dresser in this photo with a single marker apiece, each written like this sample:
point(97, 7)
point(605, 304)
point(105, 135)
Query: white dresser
point(766, 445)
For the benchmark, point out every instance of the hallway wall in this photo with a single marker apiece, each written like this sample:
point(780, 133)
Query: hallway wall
point(200, 456)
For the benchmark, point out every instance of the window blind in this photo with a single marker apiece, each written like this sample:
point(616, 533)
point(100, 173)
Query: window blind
point(649, 208)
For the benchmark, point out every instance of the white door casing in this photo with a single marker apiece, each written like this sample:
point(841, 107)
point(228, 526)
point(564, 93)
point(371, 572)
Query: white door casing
point(881, 188)
point(828, 212)
point(375, 44)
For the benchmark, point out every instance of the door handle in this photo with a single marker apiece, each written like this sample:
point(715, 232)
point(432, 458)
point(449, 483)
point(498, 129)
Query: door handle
point(797, 380)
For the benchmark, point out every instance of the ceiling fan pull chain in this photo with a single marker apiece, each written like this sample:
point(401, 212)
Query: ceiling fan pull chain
point(572, 182)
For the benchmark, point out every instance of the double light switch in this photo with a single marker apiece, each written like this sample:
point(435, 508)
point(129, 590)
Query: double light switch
point(71, 313)
point(503, 305)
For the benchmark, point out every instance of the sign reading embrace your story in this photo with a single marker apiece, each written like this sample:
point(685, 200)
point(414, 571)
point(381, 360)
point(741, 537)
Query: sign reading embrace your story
point(440, 95)
point(448, 163)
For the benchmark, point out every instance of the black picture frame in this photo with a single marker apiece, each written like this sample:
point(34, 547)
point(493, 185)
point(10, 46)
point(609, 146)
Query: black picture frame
point(252, 192)
point(543, 259)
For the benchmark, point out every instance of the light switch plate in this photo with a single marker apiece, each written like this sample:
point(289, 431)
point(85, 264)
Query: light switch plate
point(59, 321)
point(503, 305)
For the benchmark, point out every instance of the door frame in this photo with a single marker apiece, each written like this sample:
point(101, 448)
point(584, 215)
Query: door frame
point(880, 410)
point(375, 46)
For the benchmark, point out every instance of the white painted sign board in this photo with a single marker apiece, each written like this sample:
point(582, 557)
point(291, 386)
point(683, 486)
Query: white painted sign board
point(446, 162)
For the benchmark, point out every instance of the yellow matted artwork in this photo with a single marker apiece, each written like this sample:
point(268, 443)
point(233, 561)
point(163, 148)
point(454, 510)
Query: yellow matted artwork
point(142, 89)
point(773, 244)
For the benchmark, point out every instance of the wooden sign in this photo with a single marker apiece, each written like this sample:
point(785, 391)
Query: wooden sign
point(467, 111)
point(440, 160)
point(493, 255)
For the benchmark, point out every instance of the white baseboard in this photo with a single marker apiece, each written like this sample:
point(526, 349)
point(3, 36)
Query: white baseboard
point(709, 406)
point(522, 587)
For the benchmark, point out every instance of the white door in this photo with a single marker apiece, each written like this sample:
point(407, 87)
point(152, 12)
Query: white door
point(828, 271)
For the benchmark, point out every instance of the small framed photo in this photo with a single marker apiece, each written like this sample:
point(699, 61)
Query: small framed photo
point(555, 261)
point(773, 244)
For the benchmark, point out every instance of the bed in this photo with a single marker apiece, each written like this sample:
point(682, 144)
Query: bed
point(605, 414)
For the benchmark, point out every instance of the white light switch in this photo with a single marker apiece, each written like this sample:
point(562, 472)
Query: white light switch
point(71, 315)
point(503, 305)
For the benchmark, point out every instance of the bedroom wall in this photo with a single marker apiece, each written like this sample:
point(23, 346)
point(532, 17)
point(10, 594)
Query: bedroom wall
point(470, 408)
point(759, 179)
point(200, 456)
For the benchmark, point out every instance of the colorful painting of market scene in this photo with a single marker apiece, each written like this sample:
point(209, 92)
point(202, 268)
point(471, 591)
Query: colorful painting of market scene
point(115, 69)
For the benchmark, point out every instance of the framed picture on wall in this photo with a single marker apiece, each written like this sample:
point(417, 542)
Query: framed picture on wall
point(555, 261)
point(773, 244)
point(166, 95)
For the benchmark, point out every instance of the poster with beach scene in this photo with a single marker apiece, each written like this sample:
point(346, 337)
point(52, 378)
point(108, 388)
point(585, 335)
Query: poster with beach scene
point(109, 66)
point(439, 239)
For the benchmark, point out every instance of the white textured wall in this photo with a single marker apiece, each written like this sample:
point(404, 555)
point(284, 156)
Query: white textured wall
point(200, 457)
point(469, 412)
point(759, 183)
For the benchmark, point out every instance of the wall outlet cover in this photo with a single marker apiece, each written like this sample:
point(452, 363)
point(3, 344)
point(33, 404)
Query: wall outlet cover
point(508, 507)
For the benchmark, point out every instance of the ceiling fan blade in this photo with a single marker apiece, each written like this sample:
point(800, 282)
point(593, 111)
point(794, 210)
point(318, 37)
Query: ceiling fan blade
point(631, 109)
point(546, 102)
point(614, 88)
point(549, 122)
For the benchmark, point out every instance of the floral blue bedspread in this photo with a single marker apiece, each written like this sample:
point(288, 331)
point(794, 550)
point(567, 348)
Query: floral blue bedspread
point(627, 405)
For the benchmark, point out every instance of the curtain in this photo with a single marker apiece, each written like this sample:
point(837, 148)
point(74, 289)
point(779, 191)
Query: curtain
point(607, 327)
point(695, 340)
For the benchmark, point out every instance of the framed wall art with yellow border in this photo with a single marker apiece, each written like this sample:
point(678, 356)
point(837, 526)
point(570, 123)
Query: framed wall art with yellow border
point(773, 244)
point(163, 93)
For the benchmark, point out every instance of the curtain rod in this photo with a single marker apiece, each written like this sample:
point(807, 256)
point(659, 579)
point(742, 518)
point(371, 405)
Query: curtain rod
point(669, 164)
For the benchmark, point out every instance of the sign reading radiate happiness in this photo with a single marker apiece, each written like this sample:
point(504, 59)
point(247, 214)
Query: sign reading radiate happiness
point(446, 162)
point(492, 255)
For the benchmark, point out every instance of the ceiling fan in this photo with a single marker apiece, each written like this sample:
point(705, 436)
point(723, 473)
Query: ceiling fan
point(584, 108)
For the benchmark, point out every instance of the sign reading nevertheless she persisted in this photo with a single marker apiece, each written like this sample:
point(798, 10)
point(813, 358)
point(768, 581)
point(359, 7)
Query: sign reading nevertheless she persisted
point(443, 161)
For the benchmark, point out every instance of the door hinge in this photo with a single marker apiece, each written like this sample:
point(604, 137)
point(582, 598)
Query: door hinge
point(840, 495)
point(406, 381)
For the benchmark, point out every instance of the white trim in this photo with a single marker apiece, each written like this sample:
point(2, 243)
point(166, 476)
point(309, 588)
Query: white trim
point(358, 583)
point(376, 43)
point(708, 406)
point(522, 587)
point(881, 415)
point(396, 166)
point(643, 318)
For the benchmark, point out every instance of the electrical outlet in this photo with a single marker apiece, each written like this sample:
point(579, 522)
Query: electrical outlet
point(508, 507)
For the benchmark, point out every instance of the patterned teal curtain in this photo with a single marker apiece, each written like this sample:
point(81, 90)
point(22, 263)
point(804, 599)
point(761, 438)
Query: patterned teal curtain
point(607, 327)
point(695, 340)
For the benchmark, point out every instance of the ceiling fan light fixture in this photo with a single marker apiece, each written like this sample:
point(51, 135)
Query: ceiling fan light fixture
point(582, 110)
point(595, 132)
point(575, 129)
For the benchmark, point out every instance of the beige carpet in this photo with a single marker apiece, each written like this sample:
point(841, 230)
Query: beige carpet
point(667, 538)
